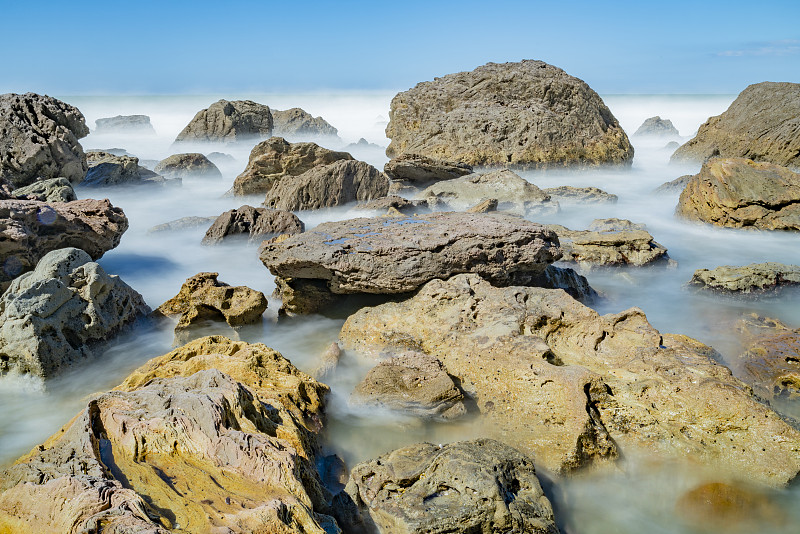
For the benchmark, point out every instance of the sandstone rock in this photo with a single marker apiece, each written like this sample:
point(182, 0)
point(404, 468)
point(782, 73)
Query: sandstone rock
point(753, 278)
point(184, 223)
point(30, 229)
point(572, 388)
point(257, 224)
point(741, 193)
point(567, 194)
point(276, 158)
point(296, 123)
point(527, 113)
point(412, 382)
point(465, 487)
point(421, 169)
point(762, 124)
point(402, 205)
point(327, 186)
point(229, 122)
point(512, 192)
point(139, 124)
point(50, 317)
point(673, 186)
point(106, 169)
point(487, 206)
point(51, 190)
point(770, 362)
point(214, 436)
point(657, 127)
point(188, 166)
point(328, 361)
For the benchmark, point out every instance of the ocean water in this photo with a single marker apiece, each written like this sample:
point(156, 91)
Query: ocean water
point(643, 495)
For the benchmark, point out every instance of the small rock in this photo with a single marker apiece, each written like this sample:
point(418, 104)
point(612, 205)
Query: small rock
point(755, 278)
point(488, 205)
point(580, 195)
point(126, 124)
point(257, 224)
point(296, 123)
point(673, 186)
point(184, 223)
point(657, 127)
point(106, 169)
point(188, 166)
point(328, 361)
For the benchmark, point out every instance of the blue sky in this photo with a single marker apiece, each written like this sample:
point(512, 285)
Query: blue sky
point(242, 46)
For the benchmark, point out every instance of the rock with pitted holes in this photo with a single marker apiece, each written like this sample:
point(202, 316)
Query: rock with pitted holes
point(770, 362)
point(756, 278)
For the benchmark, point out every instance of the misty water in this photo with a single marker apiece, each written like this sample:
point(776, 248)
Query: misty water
point(642, 495)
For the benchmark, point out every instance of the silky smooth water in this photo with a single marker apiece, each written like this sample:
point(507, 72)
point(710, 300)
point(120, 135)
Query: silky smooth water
point(642, 495)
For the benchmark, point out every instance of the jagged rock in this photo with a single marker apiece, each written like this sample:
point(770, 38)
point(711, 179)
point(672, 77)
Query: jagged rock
point(296, 123)
point(188, 166)
point(740, 193)
point(412, 382)
point(572, 388)
point(459, 488)
point(214, 436)
point(770, 362)
point(184, 223)
point(396, 255)
point(51, 190)
point(257, 224)
point(106, 169)
point(487, 206)
point(51, 316)
point(673, 186)
point(567, 194)
point(39, 140)
point(421, 169)
point(139, 124)
point(276, 158)
point(657, 127)
point(609, 242)
point(762, 124)
point(527, 113)
point(29, 229)
point(513, 193)
point(229, 122)
point(402, 205)
point(327, 186)
point(753, 278)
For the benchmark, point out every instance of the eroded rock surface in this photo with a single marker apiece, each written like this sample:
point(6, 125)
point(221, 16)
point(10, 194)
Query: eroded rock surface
point(771, 360)
point(257, 224)
point(190, 165)
point(753, 278)
point(421, 169)
point(51, 190)
point(229, 122)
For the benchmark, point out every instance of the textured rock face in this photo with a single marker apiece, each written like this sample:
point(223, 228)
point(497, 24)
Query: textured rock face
point(276, 158)
point(771, 360)
point(257, 224)
point(50, 317)
point(609, 242)
point(295, 123)
point(753, 278)
point(188, 166)
point(402, 205)
point(740, 193)
point(416, 168)
point(39, 139)
point(412, 382)
point(138, 124)
point(327, 186)
point(229, 122)
point(106, 169)
point(214, 436)
point(30, 229)
point(567, 194)
point(460, 488)
point(762, 124)
point(52, 190)
point(512, 192)
point(528, 113)
point(554, 379)
point(657, 127)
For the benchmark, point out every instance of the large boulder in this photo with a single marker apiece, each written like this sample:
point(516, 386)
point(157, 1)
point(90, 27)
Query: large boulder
point(740, 193)
point(573, 388)
point(296, 123)
point(762, 124)
point(527, 113)
point(229, 122)
point(51, 316)
point(277, 158)
point(29, 229)
point(397, 255)
point(770, 362)
point(125, 124)
point(657, 127)
point(191, 165)
point(257, 224)
point(422, 169)
point(106, 169)
point(39, 139)
point(214, 436)
point(326, 186)
point(746, 279)
point(50, 190)
point(479, 486)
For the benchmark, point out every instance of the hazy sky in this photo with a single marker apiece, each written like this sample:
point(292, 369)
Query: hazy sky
point(143, 47)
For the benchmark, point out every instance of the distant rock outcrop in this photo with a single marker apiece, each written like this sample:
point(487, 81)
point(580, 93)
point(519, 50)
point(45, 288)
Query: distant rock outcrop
point(296, 123)
point(127, 124)
point(657, 127)
point(191, 165)
point(109, 170)
point(229, 122)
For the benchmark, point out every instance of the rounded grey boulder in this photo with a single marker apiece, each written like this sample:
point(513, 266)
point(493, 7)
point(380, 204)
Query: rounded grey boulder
point(187, 166)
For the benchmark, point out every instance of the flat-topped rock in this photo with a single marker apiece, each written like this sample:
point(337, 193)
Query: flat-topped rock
point(192, 165)
point(527, 113)
point(50, 190)
point(256, 224)
point(754, 278)
point(657, 127)
point(126, 124)
point(106, 169)
point(609, 242)
point(567, 194)
point(421, 169)
point(741, 193)
point(229, 122)
point(297, 123)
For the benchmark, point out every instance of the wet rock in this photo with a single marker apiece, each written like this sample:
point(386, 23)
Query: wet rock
point(657, 127)
point(513, 193)
point(397, 255)
point(184, 223)
point(572, 388)
point(567, 194)
point(762, 124)
point(422, 169)
point(402, 205)
point(412, 382)
point(770, 362)
point(753, 278)
point(296, 123)
point(106, 169)
point(673, 186)
point(257, 224)
point(722, 507)
point(138, 124)
point(527, 113)
point(229, 122)
point(51, 190)
point(464, 487)
point(213, 436)
point(39, 140)
point(740, 193)
point(52, 316)
point(29, 229)
point(276, 158)
point(188, 166)
point(327, 186)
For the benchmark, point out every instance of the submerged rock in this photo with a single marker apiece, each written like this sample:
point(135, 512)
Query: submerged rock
point(106, 169)
point(657, 127)
point(229, 122)
point(184, 223)
point(527, 113)
point(257, 224)
point(51, 317)
point(421, 169)
point(296, 123)
point(188, 166)
point(753, 278)
point(770, 362)
point(673, 186)
point(567, 194)
point(51, 190)
point(722, 507)
point(139, 124)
